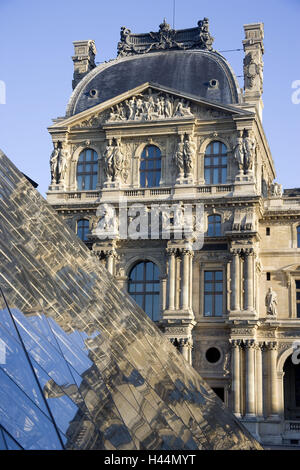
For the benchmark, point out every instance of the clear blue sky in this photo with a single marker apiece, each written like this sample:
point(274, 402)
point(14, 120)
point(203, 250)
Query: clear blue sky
point(36, 48)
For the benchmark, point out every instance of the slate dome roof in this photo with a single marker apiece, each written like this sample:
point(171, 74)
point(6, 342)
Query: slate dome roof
point(201, 73)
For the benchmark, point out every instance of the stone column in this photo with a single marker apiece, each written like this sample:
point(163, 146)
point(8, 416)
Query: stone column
point(171, 253)
point(274, 402)
point(250, 378)
point(259, 379)
point(163, 293)
point(236, 379)
point(185, 279)
point(249, 279)
point(235, 280)
point(191, 280)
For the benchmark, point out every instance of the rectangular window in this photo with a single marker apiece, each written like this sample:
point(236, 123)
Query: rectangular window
point(298, 298)
point(213, 293)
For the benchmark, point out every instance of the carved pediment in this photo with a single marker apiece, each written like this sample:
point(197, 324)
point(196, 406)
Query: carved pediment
point(149, 103)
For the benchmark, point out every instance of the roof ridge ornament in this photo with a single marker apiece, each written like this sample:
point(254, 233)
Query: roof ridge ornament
point(165, 39)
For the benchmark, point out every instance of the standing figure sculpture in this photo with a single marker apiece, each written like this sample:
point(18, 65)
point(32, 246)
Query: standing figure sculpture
point(179, 159)
point(58, 163)
point(271, 302)
point(108, 161)
point(249, 151)
point(239, 152)
point(54, 163)
point(189, 150)
point(119, 162)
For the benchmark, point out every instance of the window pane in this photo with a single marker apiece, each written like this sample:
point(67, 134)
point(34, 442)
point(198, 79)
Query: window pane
point(207, 177)
point(297, 284)
point(219, 305)
point(207, 305)
point(224, 175)
point(216, 147)
point(219, 275)
point(141, 280)
point(208, 275)
point(298, 310)
point(215, 176)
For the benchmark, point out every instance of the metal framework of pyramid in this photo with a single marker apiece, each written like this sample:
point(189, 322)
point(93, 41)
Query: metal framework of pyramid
point(81, 365)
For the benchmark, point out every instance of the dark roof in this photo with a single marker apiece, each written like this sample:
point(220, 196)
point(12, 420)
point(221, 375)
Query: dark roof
point(187, 71)
point(293, 192)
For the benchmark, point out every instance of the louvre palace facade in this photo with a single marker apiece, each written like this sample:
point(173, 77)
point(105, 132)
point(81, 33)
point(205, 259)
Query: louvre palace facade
point(166, 127)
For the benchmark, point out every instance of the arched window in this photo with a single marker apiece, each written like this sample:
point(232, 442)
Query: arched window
point(144, 287)
point(87, 170)
point(298, 236)
point(214, 226)
point(83, 229)
point(150, 167)
point(215, 163)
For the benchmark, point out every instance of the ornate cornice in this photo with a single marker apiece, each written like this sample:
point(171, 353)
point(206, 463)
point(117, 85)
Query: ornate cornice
point(165, 39)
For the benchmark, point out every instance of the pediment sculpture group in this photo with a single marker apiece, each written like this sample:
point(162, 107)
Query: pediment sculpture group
point(149, 107)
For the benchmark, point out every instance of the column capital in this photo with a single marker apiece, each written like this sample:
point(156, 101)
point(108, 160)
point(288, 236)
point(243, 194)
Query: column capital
point(248, 251)
point(171, 251)
point(271, 345)
point(249, 343)
point(235, 251)
point(236, 343)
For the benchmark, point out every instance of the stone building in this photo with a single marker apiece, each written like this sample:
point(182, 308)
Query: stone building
point(165, 128)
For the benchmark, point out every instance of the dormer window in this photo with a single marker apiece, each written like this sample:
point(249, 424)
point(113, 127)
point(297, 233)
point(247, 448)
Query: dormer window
point(215, 163)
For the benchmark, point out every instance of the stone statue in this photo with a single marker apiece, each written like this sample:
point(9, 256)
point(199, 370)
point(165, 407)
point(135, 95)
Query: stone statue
point(189, 151)
point(108, 161)
point(119, 162)
point(249, 151)
point(108, 222)
point(58, 163)
point(276, 190)
point(271, 302)
point(54, 163)
point(182, 110)
point(239, 152)
point(178, 158)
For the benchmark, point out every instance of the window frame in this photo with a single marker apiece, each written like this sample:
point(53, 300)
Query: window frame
point(214, 223)
point(156, 170)
point(213, 292)
point(155, 316)
point(82, 172)
point(209, 163)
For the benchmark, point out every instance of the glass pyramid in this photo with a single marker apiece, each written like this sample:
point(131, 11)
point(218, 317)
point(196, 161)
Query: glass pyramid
point(81, 365)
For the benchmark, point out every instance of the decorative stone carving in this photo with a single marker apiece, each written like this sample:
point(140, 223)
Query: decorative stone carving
point(115, 162)
point(276, 190)
point(271, 302)
point(166, 38)
point(245, 151)
point(58, 163)
point(150, 106)
point(253, 71)
point(184, 157)
point(107, 223)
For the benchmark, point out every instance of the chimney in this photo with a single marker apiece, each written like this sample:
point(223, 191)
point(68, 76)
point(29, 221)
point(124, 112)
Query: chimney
point(253, 65)
point(84, 59)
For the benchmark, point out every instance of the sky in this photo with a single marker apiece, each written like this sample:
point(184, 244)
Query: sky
point(36, 65)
